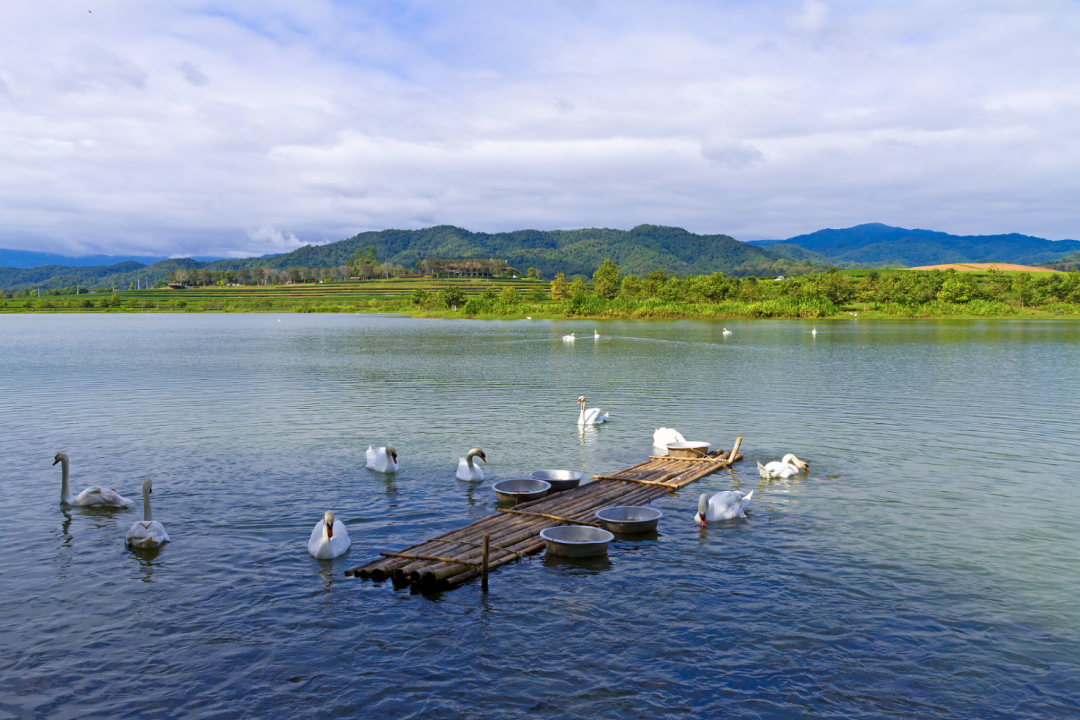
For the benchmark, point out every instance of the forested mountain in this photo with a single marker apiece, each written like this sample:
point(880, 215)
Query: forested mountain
point(645, 248)
point(877, 244)
point(573, 252)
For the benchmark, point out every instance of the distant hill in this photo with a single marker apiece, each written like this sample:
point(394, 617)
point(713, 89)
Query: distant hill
point(29, 259)
point(641, 250)
point(645, 248)
point(877, 244)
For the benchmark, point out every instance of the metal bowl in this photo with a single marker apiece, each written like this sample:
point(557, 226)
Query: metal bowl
point(559, 479)
point(629, 519)
point(576, 540)
point(521, 490)
point(688, 449)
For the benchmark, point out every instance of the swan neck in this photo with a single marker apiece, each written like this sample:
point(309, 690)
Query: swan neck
point(146, 504)
point(65, 491)
point(581, 417)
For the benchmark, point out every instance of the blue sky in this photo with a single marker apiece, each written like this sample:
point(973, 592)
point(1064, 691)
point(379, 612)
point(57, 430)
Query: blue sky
point(232, 128)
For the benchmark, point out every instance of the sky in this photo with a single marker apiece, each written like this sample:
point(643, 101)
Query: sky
point(227, 128)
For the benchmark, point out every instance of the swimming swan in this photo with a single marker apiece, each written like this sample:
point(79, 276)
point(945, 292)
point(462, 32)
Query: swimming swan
point(663, 436)
point(382, 459)
point(592, 416)
point(814, 331)
point(723, 505)
point(569, 338)
point(147, 533)
point(787, 467)
point(596, 334)
point(726, 331)
point(93, 496)
point(466, 470)
point(329, 538)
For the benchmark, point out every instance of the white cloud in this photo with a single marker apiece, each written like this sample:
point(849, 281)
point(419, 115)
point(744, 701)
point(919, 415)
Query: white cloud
point(178, 127)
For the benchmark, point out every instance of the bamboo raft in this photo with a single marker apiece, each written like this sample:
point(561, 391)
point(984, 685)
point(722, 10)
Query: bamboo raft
point(453, 558)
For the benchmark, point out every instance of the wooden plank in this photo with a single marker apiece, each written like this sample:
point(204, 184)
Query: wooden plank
point(635, 480)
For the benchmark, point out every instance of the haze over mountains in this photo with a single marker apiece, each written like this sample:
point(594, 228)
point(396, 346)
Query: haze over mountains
point(640, 250)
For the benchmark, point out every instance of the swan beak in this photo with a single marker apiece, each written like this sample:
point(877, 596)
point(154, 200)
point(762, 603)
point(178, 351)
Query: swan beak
point(483, 457)
point(56, 461)
point(702, 520)
point(394, 455)
point(329, 531)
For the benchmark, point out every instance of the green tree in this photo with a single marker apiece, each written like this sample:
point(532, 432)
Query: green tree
point(421, 297)
point(1022, 286)
point(509, 296)
point(533, 274)
point(606, 280)
point(452, 297)
point(559, 287)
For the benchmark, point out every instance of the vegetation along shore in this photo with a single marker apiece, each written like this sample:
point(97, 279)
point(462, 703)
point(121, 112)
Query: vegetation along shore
point(610, 293)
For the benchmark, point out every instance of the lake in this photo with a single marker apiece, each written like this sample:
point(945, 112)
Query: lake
point(927, 565)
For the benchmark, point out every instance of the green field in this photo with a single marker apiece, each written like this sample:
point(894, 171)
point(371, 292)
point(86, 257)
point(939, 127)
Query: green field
point(883, 294)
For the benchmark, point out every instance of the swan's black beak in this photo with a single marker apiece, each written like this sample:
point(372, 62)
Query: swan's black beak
point(483, 457)
point(329, 530)
point(702, 520)
point(394, 455)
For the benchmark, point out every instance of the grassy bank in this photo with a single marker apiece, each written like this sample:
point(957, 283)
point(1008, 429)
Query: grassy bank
point(702, 297)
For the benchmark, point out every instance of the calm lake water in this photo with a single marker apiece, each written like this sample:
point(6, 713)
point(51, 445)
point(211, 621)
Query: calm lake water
point(926, 566)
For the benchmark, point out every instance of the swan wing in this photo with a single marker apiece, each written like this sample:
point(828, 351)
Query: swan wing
point(96, 496)
point(372, 457)
point(725, 506)
point(146, 534)
point(594, 416)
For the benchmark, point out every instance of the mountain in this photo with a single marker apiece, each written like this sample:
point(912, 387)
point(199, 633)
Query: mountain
point(29, 259)
point(645, 248)
point(877, 244)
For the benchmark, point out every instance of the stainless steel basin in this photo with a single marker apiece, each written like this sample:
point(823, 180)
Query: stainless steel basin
point(521, 490)
point(559, 479)
point(629, 519)
point(688, 449)
point(576, 540)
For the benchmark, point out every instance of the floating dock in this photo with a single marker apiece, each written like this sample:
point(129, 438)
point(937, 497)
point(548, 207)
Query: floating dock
point(453, 558)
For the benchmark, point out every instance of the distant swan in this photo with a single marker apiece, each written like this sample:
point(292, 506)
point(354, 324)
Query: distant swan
point(596, 334)
point(382, 459)
point(569, 338)
point(592, 416)
point(147, 533)
point(663, 436)
point(787, 467)
point(723, 505)
point(814, 331)
point(93, 496)
point(726, 331)
point(466, 470)
point(329, 538)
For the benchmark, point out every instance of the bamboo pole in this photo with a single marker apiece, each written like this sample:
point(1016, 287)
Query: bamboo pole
point(485, 562)
point(430, 557)
point(633, 480)
point(549, 517)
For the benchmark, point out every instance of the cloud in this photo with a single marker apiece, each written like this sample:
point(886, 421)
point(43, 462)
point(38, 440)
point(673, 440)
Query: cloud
point(730, 153)
point(192, 74)
point(813, 18)
point(754, 119)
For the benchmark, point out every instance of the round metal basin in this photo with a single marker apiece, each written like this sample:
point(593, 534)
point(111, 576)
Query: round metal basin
point(576, 540)
point(629, 520)
point(688, 449)
point(521, 490)
point(559, 479)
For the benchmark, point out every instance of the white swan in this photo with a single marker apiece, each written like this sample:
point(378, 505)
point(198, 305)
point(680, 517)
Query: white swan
point(726, 332)
point(382, 459)
point(329, 538)
point(147, 533)
point(787, 467)
point(466, 470)
point(596, 334)
point(723, 505)
point(569, 338)
point(592, 416)
point(93, 496)
point(663, 436)
point(814, 331)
